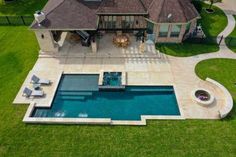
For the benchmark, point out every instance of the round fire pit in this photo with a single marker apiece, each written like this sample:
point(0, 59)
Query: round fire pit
point(203, 97)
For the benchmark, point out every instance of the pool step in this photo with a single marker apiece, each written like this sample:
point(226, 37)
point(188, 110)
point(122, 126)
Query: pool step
point(44, 114)
point(78, 90)
point(151, 90)
point(75, 97)
point(41, 114)
point(76, 93)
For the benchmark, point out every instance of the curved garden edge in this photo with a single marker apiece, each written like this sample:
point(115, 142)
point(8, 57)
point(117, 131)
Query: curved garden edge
point(225, 110)
point(231, 39)
point(223, 71)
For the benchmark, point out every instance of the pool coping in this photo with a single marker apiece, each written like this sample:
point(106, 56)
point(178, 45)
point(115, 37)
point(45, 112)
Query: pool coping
point(99, 121)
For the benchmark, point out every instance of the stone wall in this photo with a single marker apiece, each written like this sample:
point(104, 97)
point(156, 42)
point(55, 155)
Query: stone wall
point(46, 41)
point(170, 39)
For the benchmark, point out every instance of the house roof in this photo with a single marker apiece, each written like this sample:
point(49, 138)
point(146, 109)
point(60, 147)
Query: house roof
point(69, 14)
point(81, 14)
point(122, 6)
point(179, 11)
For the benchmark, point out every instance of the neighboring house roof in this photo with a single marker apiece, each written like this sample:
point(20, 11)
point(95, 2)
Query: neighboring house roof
point(81, 14)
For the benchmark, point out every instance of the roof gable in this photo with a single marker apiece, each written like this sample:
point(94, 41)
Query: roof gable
point(122, 6)
point(66, 15)
point(181, 11)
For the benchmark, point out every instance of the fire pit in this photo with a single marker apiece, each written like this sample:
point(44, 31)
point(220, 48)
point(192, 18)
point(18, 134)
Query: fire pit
point(121, 41)
point(203, 97)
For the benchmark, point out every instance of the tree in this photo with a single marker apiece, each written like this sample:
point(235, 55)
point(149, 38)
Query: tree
point(211, 3)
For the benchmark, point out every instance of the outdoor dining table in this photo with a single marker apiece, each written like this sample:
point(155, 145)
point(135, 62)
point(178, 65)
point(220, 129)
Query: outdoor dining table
point(121, 41)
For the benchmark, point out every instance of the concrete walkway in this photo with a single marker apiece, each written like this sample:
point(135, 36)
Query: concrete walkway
point(229, 6)
point(224, 51)
point(183, 68)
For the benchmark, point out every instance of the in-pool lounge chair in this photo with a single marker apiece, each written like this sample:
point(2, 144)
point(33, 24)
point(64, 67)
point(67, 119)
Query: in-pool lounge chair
point(34, 93)
point(37, 80)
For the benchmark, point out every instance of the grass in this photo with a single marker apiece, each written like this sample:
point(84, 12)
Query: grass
point(212, 25)
point(186, 49)
point(232, 39)
point(18, 52)
point(21, 7)
point(221, 70)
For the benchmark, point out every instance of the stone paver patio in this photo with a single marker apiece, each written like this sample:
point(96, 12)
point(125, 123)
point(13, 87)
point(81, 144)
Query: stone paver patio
point(149, 68)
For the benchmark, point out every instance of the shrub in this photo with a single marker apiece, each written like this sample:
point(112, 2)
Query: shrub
point(198, 5)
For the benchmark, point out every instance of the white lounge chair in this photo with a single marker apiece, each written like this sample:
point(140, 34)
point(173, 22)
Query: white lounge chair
point(35, 93)
point(37, 80)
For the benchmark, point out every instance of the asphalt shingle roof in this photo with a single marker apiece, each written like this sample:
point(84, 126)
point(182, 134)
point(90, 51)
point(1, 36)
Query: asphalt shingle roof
point(80, 14)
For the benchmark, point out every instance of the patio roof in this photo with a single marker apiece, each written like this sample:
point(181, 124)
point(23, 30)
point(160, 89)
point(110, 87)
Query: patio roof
point(69, 14)
point(122, 7)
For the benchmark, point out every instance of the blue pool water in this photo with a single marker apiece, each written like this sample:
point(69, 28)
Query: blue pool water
point(78, 96)
point(112, 78)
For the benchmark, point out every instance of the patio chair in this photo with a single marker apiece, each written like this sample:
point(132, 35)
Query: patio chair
point(35, 93)
point(139, 36)
point(37, 80)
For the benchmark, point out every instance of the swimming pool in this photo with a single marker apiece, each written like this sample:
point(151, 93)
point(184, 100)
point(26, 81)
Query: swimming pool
point(78, 96)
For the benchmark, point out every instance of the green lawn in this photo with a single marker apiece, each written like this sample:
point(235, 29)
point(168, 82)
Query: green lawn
point(186, 49)
point(232, 39)
point(221, 70)
point(212, 25)
point(188, 138)
point(22, 7)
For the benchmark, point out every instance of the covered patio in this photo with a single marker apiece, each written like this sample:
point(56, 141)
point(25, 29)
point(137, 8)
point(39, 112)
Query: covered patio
point(69, 45)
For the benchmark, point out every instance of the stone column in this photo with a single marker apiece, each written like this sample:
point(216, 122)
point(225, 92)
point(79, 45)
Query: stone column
point(94, 46)
point(182, 32)
point(156, 31)
point(193, 25)
point(46, 41)
point(169, 30)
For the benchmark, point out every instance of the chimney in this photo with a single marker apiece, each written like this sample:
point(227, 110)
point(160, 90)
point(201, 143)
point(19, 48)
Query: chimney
point(39, 17)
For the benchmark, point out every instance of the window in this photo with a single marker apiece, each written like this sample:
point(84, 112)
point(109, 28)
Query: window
point(127, 21)
point(164, 28)
point(175, 30)
point(150, 27)
point(110, 21)
point(106, 21)
point(113, 21)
